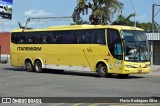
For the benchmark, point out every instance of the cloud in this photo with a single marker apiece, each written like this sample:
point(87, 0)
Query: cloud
point(141, 18)
point(37, 13)
point(8, 22)
point(8, 25)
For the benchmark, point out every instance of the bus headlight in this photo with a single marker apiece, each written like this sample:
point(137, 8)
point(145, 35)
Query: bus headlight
point(147, 65)
point(129, 66)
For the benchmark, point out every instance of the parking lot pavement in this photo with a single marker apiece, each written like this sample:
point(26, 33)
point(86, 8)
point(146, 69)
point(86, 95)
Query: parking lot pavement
point(155, 69)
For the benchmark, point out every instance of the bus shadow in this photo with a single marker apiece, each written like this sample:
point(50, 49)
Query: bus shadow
point(84, 74)
point(96, 75)
point(91, 74)
point(78, 74)
point(15, 69)
point(115, 76)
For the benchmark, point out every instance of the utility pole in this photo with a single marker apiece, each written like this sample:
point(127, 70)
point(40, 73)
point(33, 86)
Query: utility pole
point(154, 23)
point(134, 13)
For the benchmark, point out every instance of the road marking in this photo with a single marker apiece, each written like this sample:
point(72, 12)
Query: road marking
point(96, 104)
point(77, 104)
point(58, 104)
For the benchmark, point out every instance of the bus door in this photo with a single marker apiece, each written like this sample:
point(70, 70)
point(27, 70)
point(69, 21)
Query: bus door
point(115, 47)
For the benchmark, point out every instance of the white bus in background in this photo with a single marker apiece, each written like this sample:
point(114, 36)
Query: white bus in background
point(3, 9)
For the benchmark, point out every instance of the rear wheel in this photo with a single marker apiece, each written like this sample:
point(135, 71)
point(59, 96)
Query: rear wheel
point(29, 66)
point(102, 70)
point(38, 66)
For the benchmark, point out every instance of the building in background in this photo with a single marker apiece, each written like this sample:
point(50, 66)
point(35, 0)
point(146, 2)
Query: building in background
point(154, 43)
point(4, 46)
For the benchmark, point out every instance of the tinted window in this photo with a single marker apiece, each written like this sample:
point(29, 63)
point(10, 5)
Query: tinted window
point(81, 37)
point(30, 37)
point(20, 38)
point(114, 43)
point(67, 37)
point(96, 36)
point(41, 38)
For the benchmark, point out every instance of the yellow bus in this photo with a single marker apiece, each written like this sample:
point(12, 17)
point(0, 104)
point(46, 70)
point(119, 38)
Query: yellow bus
point(104, 49)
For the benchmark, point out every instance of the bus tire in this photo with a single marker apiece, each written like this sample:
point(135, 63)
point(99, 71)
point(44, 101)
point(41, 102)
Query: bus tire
point(29, 66)
point(102, 70)
point(38, 66)
point(123, 75)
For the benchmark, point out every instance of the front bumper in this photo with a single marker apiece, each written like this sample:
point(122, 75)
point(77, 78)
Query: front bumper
point(136, 70)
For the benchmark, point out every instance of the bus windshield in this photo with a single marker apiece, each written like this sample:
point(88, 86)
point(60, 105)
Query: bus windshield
point(135, 46)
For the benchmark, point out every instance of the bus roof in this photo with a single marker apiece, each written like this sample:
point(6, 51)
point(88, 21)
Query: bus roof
point(79, 27)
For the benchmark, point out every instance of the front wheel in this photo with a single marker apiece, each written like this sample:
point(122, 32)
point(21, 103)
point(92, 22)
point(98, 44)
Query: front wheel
point(102, 70)
point(38, 66)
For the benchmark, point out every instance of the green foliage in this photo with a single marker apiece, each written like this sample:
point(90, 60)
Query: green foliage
point(9, 9)
point(146, 26)
point(80, 22)
point(122, 20)
point(101, 10)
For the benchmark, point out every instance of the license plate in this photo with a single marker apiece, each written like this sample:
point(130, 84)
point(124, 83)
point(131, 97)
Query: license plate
point(139, 71)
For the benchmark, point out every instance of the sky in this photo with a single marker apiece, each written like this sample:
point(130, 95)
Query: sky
point(23, 9)
point(9, 2)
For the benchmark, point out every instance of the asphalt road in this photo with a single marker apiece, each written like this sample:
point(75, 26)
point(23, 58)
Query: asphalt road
point(16, 82)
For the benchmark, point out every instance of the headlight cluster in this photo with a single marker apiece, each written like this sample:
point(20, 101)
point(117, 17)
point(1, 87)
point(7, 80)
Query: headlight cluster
point(129, 66)
point(147, 65)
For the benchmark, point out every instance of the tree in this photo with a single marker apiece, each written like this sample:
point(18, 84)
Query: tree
point(122, 20)
point(146, 26)
point(80, 22)
point(101, 10)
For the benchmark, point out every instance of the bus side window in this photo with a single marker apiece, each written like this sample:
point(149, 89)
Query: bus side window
point(71, 37)
point(87, 38)
point(83, 38)
point(99, 38)
point(38, 39)
point(44, 39)
point(67, 37)
point(21, 40)
point(57, 38)
point(14, 38)
point(50, 38)
point(31, 37)
point(76, 38)
point(41, 38)
point(30, 40)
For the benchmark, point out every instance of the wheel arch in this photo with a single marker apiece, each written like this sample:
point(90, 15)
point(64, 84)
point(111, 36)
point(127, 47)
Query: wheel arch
point(39, 59)
point(28, 65)
point(102, 62)
point(28, 59)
